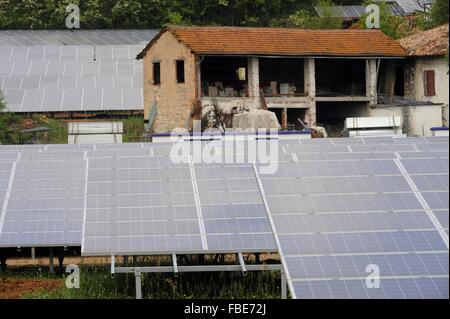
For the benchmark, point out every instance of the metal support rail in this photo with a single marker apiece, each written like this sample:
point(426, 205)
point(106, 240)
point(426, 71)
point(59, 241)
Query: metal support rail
point(176, 269)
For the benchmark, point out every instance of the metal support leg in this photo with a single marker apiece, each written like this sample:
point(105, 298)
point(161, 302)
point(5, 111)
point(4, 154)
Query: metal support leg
point(61, 262)
point(33, 253)
point(283, 286)
point(113, 266)
point(137, 274)
point(52, 268)
point(175, 264)
point(242, 263)
point(3, 265)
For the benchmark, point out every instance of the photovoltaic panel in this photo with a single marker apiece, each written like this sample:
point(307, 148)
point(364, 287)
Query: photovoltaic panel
point(430, 177)
point(45, 204)
point(235, 188)
point(127, 192)
point(123, 198)
point(335, 217)
point(74, 70)
point(330, 217)
point(30, 38)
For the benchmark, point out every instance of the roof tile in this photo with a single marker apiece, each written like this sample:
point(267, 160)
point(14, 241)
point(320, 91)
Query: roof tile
point(286, 42)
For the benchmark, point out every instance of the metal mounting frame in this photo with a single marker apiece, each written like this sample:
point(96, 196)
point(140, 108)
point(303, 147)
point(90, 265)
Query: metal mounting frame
point(176, 269)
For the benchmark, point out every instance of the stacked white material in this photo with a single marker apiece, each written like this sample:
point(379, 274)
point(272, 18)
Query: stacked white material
point(374, 126)
point(95, 132)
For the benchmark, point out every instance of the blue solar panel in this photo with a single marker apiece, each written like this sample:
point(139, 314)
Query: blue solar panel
point(333, 208)
point(335, 217)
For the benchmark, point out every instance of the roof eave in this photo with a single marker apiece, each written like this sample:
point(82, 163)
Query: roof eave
point(302, 55)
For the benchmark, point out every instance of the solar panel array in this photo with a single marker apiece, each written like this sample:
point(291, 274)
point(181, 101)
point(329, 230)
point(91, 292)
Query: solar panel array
point(352, 12)
point(29, 38)
point(63, 71)
point(334, 209)
point(336, 215)
point(407, 7)
point(147, 205)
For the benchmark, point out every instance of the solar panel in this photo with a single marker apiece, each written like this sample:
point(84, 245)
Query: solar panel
point(329, 214)
point(74, 37)
point(45, 204)
point(234, 187)
point(73, 63)
point(341, 11)
point(127, 193)
point(335, 217)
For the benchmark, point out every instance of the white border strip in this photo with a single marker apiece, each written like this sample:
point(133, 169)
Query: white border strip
point(86, 175)
point(422, 200)
point(8, 191)
point(274, 231)
point(201, 221)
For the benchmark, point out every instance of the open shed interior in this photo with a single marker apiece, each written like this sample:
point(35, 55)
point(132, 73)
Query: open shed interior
point(224, 76)
point(281, 76)
point(332, 115)
point(335, 77)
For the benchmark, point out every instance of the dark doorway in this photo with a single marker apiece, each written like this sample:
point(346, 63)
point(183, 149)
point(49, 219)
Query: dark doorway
point(399, 87)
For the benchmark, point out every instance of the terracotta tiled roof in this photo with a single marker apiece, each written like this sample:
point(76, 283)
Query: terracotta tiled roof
point(433, 42)
point(284, 42)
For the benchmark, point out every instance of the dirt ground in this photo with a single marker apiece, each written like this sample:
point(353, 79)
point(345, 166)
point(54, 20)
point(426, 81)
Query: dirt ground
point(11, 288)
point(44, 262)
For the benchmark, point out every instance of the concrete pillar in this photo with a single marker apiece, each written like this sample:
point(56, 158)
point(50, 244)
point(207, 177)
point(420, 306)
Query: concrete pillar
point(310, 90)
point(372, 81)
point(284, 119)
point(198, 76)
point(253, 77)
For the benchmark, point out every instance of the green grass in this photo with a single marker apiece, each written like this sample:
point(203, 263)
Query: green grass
point(58, 134)
point(97, 283)
point(133, 127)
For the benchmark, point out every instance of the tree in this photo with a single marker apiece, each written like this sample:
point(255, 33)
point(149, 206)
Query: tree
point(3, 122)
point(439, 13)
point(51, 14)
point(394, 26)
point(307, 20)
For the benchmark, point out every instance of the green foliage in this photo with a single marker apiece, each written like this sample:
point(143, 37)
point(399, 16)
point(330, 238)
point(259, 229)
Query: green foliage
point(304, 19)
point(5, 120)
point(96, 283)
point(98, 14)
point(437, 16)
point(394, 26)
point(133, 128)
point(439, 13)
